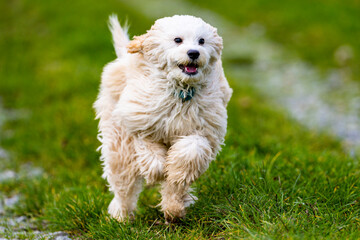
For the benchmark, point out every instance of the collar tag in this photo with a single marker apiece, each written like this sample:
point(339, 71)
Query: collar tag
point(187, 95)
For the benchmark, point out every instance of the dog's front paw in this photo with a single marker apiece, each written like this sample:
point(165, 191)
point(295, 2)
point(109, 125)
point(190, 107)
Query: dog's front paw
point(118, 212)
point(173, 207)
point(175, 211)
point(174, 215)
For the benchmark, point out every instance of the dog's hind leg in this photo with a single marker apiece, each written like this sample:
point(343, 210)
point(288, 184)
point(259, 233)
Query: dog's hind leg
point(126, 191)
point(187, 159)
point(121, 171)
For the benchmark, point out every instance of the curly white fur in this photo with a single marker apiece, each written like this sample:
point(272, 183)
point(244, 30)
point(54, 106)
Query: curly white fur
point(147, 131)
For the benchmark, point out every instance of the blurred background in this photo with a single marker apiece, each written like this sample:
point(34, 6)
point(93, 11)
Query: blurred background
point(299, 58)
point(303, 54)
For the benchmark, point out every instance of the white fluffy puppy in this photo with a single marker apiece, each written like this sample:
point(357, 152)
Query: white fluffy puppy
point(162, 110)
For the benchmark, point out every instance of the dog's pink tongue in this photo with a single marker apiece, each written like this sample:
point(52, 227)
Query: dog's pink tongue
point(190, 69)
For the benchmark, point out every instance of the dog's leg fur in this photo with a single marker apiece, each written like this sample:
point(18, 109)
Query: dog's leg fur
point(120, 170)
point(126, 190)
point(187, 159)
point(151, 159)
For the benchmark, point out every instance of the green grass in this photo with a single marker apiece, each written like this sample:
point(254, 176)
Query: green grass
point(273, 179)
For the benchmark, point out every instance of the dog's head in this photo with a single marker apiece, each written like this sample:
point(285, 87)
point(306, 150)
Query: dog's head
point(185, 47)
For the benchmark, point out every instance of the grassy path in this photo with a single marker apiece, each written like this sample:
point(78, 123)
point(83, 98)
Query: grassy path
point(273, 178)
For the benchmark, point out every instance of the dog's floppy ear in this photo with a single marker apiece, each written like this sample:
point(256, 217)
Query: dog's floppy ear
point(218, 41)
point(136, 45)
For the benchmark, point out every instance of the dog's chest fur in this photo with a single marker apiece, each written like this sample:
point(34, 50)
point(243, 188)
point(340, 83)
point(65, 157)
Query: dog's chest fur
point(154, 110)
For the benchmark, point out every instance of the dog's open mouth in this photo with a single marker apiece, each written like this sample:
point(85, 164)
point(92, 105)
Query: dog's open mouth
point(190, 69)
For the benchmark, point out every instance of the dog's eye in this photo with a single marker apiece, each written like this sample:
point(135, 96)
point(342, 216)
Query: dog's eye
point(178, 40)
point(201, 41)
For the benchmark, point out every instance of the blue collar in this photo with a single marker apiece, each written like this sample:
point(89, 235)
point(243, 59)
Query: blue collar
point(187, 95)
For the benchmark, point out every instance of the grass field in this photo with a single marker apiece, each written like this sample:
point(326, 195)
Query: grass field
point(273, 179)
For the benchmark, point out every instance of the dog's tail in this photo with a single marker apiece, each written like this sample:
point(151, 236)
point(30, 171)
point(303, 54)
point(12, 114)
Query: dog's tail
point(119, 35)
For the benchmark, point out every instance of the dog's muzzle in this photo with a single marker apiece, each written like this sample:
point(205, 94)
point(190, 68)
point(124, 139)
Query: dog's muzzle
point(189, 69)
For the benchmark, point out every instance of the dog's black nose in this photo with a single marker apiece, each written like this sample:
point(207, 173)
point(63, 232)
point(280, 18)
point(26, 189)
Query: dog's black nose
point(193, 54)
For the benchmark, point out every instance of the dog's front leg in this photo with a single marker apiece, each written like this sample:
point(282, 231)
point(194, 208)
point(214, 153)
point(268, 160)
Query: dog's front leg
point(150, 157)
point(187, 159)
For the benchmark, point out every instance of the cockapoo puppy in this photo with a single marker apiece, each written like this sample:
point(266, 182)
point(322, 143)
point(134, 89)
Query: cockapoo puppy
point(162, 110)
